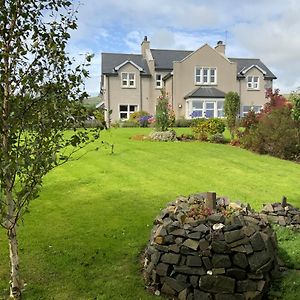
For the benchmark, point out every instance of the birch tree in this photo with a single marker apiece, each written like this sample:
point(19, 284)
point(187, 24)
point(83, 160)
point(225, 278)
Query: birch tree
point(40, 95)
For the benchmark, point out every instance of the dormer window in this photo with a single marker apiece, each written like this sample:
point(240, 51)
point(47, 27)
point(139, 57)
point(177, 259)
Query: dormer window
point(207, 76)
point(253, 82)
point(158, 81)
point(128, 80)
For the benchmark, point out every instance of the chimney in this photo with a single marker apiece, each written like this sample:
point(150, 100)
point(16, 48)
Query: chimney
point(220, 47)
point(144, 46)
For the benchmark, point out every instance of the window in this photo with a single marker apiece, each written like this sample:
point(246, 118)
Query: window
point(253, 82)
point(247, 108)
point(220, 109)
point(128, 80)
point(205, 75)
point(125, 110)
point(206, 109)
point(197, 109)
point(158, 81)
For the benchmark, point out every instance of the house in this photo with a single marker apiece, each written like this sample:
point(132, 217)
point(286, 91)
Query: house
point(196, 81)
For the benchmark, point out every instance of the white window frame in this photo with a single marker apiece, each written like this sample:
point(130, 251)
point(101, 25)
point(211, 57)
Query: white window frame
point(191, 108)
point(255, 108)
point(127, 112)
point(251, 83)
point(158, 82)
point(128, 80)
point(204, 75)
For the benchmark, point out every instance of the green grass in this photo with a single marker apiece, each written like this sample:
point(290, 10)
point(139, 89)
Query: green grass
point(83, 236)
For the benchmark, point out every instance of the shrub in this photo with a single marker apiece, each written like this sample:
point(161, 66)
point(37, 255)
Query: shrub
point(276, 134)
point(250, 120)
point(218, 138)
point(165, 116)
point(182, 122)
point(231, 109)
point(204, 128)
point(141, 118)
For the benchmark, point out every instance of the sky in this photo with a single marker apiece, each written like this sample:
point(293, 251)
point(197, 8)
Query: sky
point(265, 29)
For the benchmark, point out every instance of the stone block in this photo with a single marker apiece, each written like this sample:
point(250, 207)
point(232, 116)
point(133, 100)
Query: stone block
point(170, 258)
point(246, 285)
point(236, 273)
point(192, 244)
point(194, 280)
point(189, 270)
point(221, 261)
point(220, 247)
point(201, 228)
point(229, 297)
point(199, 295)
point(166, 289)
point(257, 242)
point(203, 244)
point(194, 261)
point(240, 260)
point(162, 269)
point(207, 262)
point(217, 284)
point(234, 235)
point(258, 259)
point(176, 285)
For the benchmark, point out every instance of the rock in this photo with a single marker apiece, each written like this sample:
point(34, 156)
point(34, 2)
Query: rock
point(248, 249)
point(218, 271)
point(253, 295)
point(234, 235)
point(183, 295)
point(176, 285)
point(245, 285)
point(195, 235)
point(178, 232)
point(240, 260)
point(217, 284)
point(257, 242)
point(240, 249)
point(221, 261)
point(232, 227)
point(220, 247)
point(207, 263)
point(203, 244)
point(166, 289)
point(162, 269)
point(243, 241)
point(268, 208)
point(216, 218)
point(281, 221)
point(189, 270)
point(249, 230)
point(229, 297)
point(170, 258)
point(159, 240)
point(194, 281)
point(194, 261)
point(192, 244)
point(199, 295)
point(174, 248)
point(236, 273)
point(155, 257)
point(258, 259)
point(202, 228)
point(182, 278)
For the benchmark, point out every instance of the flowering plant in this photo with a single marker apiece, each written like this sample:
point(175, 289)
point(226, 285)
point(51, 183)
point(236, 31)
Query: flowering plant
point(165, 116)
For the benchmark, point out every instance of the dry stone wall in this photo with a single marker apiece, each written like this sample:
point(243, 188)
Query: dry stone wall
point(203, 247)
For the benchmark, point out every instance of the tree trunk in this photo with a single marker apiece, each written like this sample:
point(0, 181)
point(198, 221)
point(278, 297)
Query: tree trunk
point(15, 282)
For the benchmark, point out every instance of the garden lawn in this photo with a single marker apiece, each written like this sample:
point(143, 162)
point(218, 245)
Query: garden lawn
point(83, 235)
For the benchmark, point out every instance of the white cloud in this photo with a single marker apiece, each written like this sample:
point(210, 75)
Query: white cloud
point(260, 28)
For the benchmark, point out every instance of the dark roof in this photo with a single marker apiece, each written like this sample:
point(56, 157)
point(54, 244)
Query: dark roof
point(244, 63)
point(164, 58)
point(205, 92)
point(112, 60)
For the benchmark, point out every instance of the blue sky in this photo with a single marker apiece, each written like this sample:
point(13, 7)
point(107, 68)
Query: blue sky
point(265, 29)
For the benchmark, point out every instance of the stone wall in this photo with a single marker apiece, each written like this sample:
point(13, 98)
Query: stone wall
point(207, 248)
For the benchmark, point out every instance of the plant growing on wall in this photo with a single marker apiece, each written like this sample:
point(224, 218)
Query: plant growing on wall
point(231, 109)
